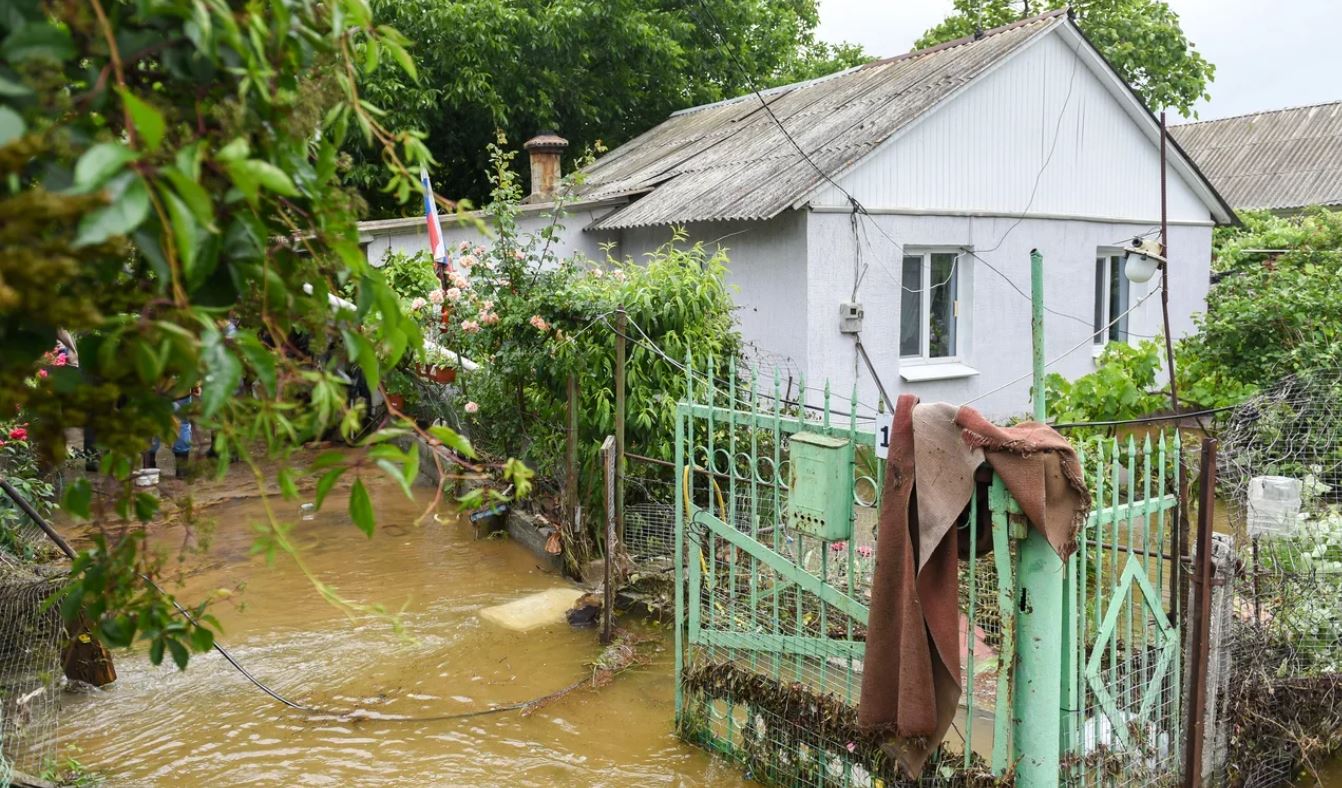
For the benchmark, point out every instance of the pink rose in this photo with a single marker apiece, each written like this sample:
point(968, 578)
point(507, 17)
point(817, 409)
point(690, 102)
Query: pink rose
point(490, 318)
point(864, 550)
point(596, 272)
point(453, 294)
point(18, 434)
point(418, 304)
point(436, 296)
point(471, 407)
point(539, 323)
point(41, 373)
point(518, 255)
point(468, 261)
point(486, 305)
point(479, 251)
point(470, 326)
point(839, 547)
point(464, 245)
point(459, 281)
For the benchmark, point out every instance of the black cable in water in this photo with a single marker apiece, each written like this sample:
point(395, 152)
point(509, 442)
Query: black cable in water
point(69, 552)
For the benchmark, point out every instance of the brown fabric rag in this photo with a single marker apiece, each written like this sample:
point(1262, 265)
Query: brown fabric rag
point(911, 681)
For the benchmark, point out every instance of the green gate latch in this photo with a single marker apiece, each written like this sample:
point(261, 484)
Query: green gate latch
point(820, 487)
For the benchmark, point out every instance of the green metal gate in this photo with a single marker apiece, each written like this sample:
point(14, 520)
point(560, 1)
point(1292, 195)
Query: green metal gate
point(772, 608)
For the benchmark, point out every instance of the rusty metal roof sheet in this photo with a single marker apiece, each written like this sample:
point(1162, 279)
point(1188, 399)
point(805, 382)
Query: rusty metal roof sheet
point(1280, 160)
point(729, 160)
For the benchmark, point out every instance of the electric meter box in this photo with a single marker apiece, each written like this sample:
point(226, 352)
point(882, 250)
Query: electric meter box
point(820, 486)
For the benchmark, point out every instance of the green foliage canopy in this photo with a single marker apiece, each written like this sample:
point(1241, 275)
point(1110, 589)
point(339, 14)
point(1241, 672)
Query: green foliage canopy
point(1276, 305)
point(596, 72)
point(1142, 39)
point(164, 164)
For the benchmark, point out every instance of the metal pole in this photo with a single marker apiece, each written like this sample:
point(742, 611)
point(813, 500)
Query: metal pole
point(37, 518)
point(1181, 510)
point(1201, 621)
point(1037, 712)
point(621, 330)
point(571, 455)
point(608, 461)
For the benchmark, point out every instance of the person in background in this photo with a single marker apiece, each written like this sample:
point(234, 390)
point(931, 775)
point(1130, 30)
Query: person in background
point(181, 448)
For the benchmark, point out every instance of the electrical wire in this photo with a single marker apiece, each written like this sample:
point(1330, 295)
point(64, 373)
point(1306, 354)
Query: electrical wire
point(1064, 354)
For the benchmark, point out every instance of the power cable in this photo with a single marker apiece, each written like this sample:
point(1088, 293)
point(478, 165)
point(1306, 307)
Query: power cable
point(1064, 354)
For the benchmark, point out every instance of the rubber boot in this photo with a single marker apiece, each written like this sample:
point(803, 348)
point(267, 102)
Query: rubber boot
point(183, 460)
point(150, 460)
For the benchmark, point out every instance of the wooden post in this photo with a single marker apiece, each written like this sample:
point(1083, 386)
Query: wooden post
point(571, 458)
point(621, 330)
point(608, 453)
point(1200, 619)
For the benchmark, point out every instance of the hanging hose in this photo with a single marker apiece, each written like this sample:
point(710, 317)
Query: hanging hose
point(69, 552)
point(722, 503)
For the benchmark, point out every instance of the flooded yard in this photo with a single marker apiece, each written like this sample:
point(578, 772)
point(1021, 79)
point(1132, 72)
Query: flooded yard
point(209, 726)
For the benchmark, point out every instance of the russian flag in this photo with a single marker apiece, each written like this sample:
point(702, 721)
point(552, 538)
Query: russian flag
point(437, 247)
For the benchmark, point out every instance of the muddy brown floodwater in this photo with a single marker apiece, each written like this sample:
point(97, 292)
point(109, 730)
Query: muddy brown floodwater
point(208, 726)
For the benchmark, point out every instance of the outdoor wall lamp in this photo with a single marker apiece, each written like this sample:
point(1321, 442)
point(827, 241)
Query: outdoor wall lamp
point(1142, 259)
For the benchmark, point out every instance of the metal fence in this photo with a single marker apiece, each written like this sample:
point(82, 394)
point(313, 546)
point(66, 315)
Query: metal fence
point(771, 618)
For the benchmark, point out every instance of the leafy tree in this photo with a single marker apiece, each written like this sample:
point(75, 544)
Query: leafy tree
point(1276, 305)
point(167, 163)
point(597, 72)
point(1140, 38)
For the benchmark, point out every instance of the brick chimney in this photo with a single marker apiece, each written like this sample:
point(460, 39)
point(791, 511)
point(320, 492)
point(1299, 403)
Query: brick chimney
point(545, 150)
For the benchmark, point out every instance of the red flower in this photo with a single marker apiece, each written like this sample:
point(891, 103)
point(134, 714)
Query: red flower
point(18, 434)
point(41, 373)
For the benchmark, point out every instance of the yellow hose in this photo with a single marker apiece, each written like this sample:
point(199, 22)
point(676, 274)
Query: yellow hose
point(722, 504)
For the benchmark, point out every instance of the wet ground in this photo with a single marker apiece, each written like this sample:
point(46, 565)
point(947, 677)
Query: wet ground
point(208, 726)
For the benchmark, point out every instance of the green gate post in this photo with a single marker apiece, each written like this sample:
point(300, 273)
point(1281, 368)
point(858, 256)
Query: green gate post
point(1037, 717)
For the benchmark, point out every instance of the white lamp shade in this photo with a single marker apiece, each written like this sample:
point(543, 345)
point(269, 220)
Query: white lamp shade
point(1140, 267)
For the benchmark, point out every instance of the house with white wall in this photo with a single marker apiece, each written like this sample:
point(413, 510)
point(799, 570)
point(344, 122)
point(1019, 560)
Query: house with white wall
point(912, 189)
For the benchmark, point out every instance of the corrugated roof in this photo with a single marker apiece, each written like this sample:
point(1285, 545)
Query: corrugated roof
point(729, 160)
point(1280, 160)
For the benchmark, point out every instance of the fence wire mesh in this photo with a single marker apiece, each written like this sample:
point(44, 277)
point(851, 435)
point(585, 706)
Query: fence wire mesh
point(30, 669)
point(1283, 707)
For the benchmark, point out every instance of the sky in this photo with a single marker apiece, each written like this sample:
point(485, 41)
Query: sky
point(1268, 55)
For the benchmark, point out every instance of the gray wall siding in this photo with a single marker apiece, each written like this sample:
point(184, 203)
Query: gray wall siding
point(767, 276)
point(995, 319)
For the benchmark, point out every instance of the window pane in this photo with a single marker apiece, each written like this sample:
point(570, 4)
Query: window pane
point(911, 308)
point(1118, 300)
point(1101, 274)
point(941, 320)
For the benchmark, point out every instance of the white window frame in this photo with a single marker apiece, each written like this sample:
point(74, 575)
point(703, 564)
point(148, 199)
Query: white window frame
point(1103, 296)
point(960, 309)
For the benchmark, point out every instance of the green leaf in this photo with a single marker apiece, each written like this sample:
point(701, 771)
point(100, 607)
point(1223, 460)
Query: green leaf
point(9, 87)
point(146, 119)
point(326, 482)
point(184, 233)
point(223, 372)
point(250, 175)
point(11, 126)
point(403, 58)
point(126, 212)
point(193, 194)
point(38, 39)
point(288, 489)
point(361, 350)
point(78, 496)
point(146, 506)
point(100, 163)
point(179, 653)
point(260, 357)
point(361, 508)
point(453, 440)
point(156, 651)
point(236, 150)
point(117, 631)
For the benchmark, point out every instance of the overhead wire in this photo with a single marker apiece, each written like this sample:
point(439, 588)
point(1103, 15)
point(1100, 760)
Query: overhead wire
point(1061, 356)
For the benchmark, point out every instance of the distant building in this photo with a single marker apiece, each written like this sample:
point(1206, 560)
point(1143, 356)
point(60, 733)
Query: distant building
point(962, 158)
point(1282, 160)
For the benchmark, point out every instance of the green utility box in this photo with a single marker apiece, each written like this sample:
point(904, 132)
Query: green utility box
point(820, 486)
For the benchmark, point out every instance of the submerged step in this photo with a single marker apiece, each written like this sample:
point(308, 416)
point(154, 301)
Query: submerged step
point(535, 610)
